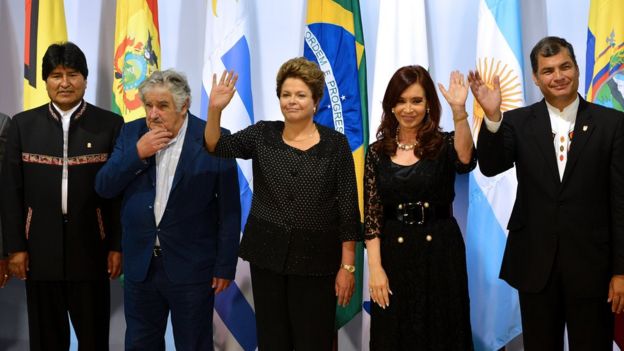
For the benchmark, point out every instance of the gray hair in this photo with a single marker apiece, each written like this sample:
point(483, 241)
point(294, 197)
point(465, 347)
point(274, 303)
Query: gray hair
point(175, 82)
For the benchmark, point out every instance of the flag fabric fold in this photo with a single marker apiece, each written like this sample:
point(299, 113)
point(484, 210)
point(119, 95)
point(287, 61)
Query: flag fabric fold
point(334, 39)
point(137, 54)
point(403, 27)
point(226, 47)
point(44, 25)
point(495, 310)
point(604, 77)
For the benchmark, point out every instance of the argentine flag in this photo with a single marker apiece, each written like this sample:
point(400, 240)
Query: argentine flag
point(227, 48)
point(495, 311)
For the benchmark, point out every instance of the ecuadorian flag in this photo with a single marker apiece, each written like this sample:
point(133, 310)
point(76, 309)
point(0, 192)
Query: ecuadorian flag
point(604, 75)
point(333, 38)
point(604, 80)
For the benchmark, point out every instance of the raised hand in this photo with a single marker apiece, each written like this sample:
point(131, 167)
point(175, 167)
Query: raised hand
point(457, 92)
point(223, 90)
point(489, 98)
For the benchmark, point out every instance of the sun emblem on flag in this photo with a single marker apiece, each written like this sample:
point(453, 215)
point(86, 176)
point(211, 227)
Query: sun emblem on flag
point(510, 83)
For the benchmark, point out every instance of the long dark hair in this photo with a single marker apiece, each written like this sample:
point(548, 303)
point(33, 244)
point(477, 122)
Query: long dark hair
point(428, 135)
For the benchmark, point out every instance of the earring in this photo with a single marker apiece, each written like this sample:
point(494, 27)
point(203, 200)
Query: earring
point(427, 110)
point(392, 110)
point(314, 109)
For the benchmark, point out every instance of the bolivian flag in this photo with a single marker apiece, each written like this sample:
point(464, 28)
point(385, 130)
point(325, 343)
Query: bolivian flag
point(137, 54)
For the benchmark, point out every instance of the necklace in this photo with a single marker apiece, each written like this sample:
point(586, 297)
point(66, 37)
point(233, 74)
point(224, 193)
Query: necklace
point(404, 147)
point(295, 140)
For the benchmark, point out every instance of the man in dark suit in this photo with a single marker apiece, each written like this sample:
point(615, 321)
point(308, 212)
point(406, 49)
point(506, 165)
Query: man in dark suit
point(180, 218)
point(4, 262)
point(565, 249)
point(61, 237)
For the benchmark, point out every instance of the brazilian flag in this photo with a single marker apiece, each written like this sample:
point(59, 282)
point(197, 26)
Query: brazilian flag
point(333, 38)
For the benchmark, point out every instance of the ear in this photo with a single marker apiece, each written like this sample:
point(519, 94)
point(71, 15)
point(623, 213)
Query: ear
point(534, 79)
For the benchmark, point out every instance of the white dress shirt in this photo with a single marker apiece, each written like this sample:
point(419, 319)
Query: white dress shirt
point(166, 165)
point(65, 118)
point(562, 126)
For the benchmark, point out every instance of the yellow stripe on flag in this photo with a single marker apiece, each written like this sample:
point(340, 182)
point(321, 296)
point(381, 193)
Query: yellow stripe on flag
point(328, 11)
point(51, 28)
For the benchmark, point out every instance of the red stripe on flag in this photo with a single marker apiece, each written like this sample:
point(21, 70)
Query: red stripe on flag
point(153, 6)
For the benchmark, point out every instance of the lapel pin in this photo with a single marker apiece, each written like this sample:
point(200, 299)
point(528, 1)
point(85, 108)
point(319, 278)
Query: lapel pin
point(584, 128)
point(88, 145)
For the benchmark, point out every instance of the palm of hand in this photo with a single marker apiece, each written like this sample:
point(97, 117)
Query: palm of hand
point(221, 95)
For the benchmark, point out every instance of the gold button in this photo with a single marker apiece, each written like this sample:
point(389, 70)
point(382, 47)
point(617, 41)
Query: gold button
point(429, 238)
point(426, 204)
point(400, 240)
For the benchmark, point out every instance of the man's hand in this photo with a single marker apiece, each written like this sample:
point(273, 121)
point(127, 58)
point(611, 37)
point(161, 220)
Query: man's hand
point(220, 284)
point(616, 293)
point(345, 284)
point(490, 99)
point(4, 272)
point(114, 264)
point(18, 264)
point(152, 142)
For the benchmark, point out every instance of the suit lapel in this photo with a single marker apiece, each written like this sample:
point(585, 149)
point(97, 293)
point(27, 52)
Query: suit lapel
point(583, 128)
point(542, 132)
point(193, 144)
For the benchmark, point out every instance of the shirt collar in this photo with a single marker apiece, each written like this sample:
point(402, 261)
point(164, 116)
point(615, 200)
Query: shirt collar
point(569, 112)
point(68, 112)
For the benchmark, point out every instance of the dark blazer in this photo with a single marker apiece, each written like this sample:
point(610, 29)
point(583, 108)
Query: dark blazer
point(580, 218)
point(31, 198)
point(4, 129)
point(199, 231)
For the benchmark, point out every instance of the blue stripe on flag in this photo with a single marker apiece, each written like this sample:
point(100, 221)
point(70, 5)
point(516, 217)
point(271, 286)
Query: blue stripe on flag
point(507, 16)
point(203, 112)
point(238, 316)
point(589, 61)
point(239, 60)
point(485, 248)
point(245, 196)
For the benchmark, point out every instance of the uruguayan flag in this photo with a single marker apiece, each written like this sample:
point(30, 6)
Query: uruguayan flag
point(227, 48)
point(495, 312)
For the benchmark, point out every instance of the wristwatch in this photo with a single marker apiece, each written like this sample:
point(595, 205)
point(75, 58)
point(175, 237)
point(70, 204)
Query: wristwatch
point(350, 268)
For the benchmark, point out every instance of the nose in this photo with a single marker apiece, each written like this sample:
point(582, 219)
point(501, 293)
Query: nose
point(64, 80)
point(151, 112)
point(409, 107)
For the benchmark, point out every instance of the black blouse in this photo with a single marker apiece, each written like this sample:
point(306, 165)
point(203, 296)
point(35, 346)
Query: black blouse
point(304, 203)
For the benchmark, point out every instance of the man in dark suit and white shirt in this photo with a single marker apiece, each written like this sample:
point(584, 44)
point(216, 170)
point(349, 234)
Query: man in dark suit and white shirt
point(565, 249)
point(180, 217)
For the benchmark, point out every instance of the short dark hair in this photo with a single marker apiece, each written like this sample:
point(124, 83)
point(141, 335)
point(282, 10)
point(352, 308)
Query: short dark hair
point(550, 46)
point(65, 54)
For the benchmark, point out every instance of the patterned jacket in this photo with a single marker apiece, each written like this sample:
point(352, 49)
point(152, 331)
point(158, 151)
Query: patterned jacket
point(31, 201)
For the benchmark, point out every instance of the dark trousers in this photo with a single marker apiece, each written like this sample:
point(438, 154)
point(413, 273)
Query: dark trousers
point(147, 305)
point(545, 314)
point(88, 306)
point(293, 312)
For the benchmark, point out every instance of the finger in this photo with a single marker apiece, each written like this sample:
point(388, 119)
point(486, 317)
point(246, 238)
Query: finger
point(442, 89)
point(496, 83)
point(611, 293)
point(222, 79)
point(234, 79)
point(214, 80)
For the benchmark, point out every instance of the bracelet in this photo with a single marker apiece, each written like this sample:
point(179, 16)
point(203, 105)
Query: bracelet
point(460, 119)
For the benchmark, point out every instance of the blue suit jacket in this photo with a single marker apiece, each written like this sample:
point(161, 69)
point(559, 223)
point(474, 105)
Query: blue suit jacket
point(199, 231)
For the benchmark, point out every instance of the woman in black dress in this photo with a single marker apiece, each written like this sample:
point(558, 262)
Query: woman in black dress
point(416, 252)
point(300, 234)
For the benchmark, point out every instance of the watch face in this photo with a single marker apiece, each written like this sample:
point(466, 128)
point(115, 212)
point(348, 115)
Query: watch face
point(349, 268)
